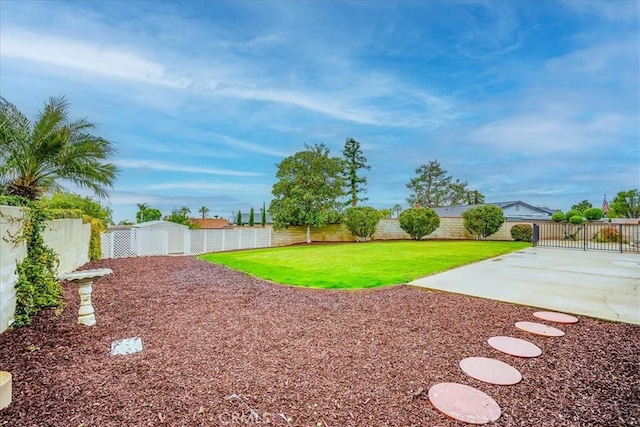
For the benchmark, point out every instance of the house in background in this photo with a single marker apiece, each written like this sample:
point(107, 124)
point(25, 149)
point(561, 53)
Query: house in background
point(211, 223)
point(512, 210)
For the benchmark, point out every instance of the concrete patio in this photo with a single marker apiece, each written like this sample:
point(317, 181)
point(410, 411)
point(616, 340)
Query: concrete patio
point(600, 284)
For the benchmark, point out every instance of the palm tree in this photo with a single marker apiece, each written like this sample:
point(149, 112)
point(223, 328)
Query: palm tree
point(396, 209)
point(204, 211)
point(36, 156)
point(142, 207)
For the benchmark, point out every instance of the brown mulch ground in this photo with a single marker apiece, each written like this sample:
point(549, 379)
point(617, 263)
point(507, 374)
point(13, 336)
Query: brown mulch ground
point(320, 358)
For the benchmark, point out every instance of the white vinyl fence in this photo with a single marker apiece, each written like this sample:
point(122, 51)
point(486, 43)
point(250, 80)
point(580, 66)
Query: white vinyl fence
point(148, 242)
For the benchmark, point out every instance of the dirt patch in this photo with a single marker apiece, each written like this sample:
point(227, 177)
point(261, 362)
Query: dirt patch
point(222, 348)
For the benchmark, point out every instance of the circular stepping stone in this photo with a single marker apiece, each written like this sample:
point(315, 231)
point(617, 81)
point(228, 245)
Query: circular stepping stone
point(464, 403)
point(515, 346)
point(539, 329)
point(555, 317)
point(491, 371)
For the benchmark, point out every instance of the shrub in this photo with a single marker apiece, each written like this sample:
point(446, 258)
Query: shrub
point(483, 221)
point(593, 214)
point(607, 234)
point(571, 213)
point(576, 220)
point(419, 222)
point(362, 222)
point(522, 232)
point(8, 200)
point(385, 213)
point(63, 214)
point(558, 216)
point(95, 241)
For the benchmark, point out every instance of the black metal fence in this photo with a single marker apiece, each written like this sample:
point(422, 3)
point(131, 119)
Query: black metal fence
point(589, 235)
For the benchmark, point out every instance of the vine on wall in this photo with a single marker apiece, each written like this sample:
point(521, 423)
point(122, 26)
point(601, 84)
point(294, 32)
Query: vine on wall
point(37, 287)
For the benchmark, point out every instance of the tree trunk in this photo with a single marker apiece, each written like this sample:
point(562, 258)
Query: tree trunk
point(308, 234)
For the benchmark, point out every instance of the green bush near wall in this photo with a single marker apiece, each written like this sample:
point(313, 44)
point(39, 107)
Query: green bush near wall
point(95, 241)
point(522, 232)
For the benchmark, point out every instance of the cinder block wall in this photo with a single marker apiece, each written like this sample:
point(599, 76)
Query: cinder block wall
point(388, 229)
point(69, 238)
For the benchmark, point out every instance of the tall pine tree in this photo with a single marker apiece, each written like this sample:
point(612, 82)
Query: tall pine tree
point(251, 217)
point(354, 161)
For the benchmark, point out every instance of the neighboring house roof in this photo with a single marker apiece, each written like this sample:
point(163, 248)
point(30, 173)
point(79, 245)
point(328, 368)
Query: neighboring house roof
point(512, 209)
point(540, 209)
point(211, 223)
point(158, 223)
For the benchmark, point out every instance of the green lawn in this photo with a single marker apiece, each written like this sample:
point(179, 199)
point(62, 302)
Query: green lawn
point(359, 265)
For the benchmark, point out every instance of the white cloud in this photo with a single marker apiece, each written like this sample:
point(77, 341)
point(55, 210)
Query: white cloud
point(110, 61)
point(253, 148)
point(542, 133)
point(170, 167)
point(211, 187)
point(615, 11)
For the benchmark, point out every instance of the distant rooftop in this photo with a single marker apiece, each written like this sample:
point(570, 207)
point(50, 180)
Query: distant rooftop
point(515, 208)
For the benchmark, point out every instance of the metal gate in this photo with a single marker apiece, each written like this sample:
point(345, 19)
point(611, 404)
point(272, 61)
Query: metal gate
point(589, 235)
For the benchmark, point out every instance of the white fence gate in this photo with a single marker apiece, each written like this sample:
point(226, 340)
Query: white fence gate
point(149, 242)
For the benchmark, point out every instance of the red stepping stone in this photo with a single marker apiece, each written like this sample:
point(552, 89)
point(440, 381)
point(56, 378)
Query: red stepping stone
point(464, 403)
point(491, 371)
point(555, 317)
point(539, 329)
point(515, 346)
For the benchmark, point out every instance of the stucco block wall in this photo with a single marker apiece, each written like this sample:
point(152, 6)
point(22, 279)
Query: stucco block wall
point(9, 256)
point(69, 238)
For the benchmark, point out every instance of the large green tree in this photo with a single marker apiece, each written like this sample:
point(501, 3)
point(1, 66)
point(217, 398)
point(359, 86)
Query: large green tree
point(626, 204)
point(582, 206)
point(434, 187)
point(38, 156)
point(310, 184)
point(180, 216)
point(66, 200)
point(146, 213)
point(354, 162)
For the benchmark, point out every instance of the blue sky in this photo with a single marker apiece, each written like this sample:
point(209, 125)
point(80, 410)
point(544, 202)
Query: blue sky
point(526, 100)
